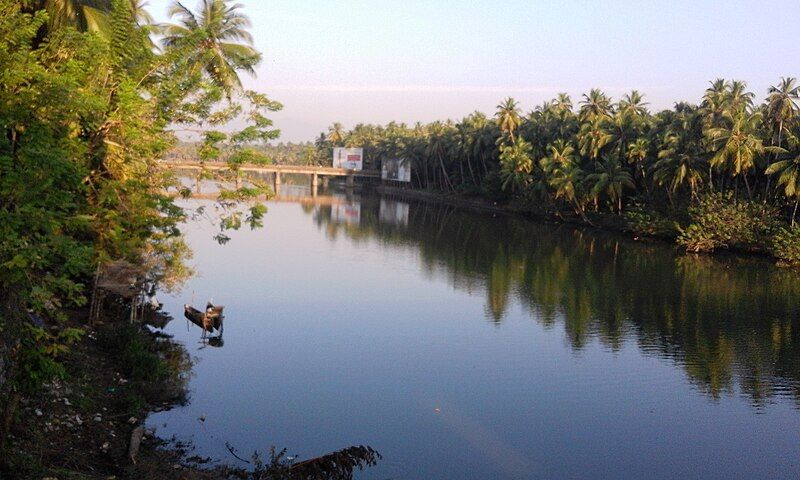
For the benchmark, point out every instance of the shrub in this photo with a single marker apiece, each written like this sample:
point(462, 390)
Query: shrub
point(786, 245)
point(646, 221)
point(493, 187)
point(135, 356)
point(717, 221)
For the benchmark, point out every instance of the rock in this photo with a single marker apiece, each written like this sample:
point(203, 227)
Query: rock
point(136, 441)
point(78, 420)
point(98, 418)
point(66, 402)
point(38, 412)
point(104, 447)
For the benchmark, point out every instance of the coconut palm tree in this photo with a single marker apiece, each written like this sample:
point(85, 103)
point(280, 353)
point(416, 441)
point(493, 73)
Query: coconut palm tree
point(336, 134)
point(789, 173)
point(85, 15)
point(594, 135)
point(140, 13)
point(516, 164)
point(737, 97)
point(738, 144)
point(595, 104)
point(713, 104)
point(563, 103)
point(508, 117)
point(678, 166)
point(611, 178)
point(217, 38)
point(782, 105)
point(633, 105)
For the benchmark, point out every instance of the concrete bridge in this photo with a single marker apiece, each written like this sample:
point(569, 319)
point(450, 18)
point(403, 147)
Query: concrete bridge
point(315, 172)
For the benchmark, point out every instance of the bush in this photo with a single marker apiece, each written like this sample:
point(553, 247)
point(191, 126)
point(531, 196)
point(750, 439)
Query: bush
point(717, 221)
point(135, 355)
point(645, 221)
point(786, 245)
point(493, 187)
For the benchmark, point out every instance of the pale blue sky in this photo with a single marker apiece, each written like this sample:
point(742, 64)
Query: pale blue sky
point(407, 60)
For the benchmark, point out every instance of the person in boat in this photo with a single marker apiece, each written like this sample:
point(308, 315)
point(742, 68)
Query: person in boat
point(215, 313)
point(201, 319)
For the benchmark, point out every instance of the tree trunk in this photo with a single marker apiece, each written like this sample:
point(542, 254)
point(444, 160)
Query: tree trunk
point(471, 172)
point(775, 156)
point(747, 185)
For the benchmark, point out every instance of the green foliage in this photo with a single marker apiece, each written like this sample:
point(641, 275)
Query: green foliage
point(786, 245)
point(516, 165)
point(37, 360)
point(605, 154)
point(646, 221)
point(718, 221)
point(88, 108)
point(136, 357)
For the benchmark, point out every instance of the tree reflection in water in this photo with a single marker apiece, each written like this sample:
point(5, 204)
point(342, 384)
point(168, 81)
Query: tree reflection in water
point(730, 323)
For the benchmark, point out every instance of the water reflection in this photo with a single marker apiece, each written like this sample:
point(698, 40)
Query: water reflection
point(730, 323)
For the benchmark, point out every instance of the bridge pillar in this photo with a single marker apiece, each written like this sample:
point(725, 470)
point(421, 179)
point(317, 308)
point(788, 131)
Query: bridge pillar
point(350, 183)
point(314, 184)
point(278, 182)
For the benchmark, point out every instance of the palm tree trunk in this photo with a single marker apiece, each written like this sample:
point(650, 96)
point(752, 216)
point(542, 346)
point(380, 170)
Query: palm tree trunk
point(775, 156)
point(747, 185)
point(471, 172)
point(710, 177)
point(794, 212)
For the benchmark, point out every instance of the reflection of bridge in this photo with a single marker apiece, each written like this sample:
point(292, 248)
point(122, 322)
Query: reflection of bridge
point(314, 171)
point(324, 200)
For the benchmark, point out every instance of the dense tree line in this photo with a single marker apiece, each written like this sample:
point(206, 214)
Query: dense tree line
point(89, 104)
point(281, 153)
point(663, 171)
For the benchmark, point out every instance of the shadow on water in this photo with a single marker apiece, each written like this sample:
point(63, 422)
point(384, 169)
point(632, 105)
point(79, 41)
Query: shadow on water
point(730, 323)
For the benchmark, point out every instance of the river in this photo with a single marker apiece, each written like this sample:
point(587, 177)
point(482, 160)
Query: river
point(473, 346)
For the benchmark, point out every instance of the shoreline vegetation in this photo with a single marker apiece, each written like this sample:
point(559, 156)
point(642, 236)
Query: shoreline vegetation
point(93, 94)
point(720, 175)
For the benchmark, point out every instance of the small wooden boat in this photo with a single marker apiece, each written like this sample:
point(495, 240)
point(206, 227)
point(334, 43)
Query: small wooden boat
point(201, 319)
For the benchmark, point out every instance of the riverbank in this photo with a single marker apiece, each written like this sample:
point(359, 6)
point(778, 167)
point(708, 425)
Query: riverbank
point(613, 223)
point(80, 426)
point(719, 231)
point(83, 425)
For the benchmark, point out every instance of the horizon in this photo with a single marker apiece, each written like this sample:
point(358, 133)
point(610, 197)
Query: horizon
point(371, 62)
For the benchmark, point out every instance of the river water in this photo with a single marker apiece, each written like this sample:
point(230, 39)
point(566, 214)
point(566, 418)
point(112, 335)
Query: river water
point(472, 346)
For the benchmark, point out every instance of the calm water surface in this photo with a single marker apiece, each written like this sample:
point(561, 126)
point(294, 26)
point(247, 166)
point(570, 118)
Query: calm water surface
point(467, 346)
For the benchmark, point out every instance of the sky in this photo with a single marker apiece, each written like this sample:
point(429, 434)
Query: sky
point(362, 61)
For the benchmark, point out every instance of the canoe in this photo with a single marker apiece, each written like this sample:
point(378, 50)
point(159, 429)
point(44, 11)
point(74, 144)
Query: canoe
point(199, 318)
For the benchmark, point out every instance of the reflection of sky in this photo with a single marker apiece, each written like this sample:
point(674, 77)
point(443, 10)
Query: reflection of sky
point(329, 343)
